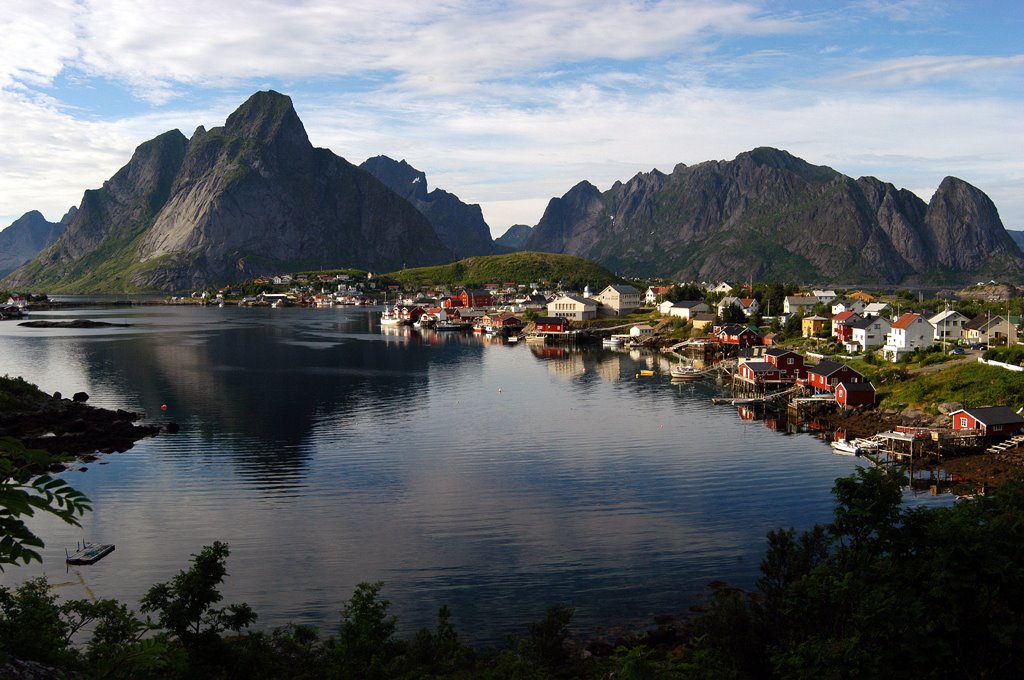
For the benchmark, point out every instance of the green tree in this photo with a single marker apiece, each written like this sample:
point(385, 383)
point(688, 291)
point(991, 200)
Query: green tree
point(185, 604)
point(23, 492)
point(365, 646)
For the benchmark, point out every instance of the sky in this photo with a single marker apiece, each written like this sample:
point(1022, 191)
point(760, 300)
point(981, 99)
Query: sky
point(509, 104)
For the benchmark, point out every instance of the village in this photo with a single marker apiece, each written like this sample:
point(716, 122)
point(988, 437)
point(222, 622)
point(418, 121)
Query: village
point(802, 358)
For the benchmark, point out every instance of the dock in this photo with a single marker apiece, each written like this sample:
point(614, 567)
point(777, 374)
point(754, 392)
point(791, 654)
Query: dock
point(90, 553)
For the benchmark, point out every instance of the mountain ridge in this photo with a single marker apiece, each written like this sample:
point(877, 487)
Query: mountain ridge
point(768, 214)
point(249, 198)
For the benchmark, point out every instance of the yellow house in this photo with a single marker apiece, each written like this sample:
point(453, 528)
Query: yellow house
point(812, 325)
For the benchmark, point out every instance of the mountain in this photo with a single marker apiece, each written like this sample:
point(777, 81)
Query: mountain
point(460, 226)
point(1018, 238)
point(516, 237)
point(769, 215)
point(251, 198)
point(26, 237)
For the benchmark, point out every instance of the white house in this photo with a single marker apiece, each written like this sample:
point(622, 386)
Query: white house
point(877, 309)
point(949, 325)
point(720, 288)
point(651, 296)
point(909, 332)
point(825, 297)
point(867, 333)
point(687, 308)
point(848, 305)
point(619, 299)
point(749, 306)
point(799, 304)
point(573, 307)
point(641, 330)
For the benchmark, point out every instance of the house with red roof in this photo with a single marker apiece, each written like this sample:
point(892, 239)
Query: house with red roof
point(909, 332)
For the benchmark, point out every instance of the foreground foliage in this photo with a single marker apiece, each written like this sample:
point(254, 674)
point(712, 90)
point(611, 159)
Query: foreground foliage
point(880, 592)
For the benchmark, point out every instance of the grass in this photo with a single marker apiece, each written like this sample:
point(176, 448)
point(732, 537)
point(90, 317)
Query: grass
point(16, 394)
point(972, 385)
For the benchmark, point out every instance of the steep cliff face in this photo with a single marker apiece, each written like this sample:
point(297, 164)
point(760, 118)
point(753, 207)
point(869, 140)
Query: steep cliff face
point(252, 197)
point(769, 215)
point(26, 237)
point(460, 226)
point(515, 237)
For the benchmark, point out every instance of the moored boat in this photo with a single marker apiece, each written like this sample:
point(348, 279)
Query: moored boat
point(846, 448)
point(680, 372)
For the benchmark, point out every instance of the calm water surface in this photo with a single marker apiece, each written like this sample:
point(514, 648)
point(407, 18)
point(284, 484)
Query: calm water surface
point(492, 478)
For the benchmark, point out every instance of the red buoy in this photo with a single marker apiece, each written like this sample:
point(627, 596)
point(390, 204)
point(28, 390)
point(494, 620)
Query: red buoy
point(163, 407)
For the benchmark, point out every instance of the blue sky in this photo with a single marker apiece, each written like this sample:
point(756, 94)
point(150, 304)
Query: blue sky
point(508, 104)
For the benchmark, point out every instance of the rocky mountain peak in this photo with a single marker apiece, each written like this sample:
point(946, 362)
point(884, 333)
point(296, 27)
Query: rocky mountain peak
point(268, 118)
point(398, 176)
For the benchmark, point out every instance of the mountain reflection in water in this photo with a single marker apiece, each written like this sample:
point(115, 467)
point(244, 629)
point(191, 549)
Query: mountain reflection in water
point(497, 479)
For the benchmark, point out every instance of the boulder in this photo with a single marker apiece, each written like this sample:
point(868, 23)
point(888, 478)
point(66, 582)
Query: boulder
point(80, 397)
point(949, 407)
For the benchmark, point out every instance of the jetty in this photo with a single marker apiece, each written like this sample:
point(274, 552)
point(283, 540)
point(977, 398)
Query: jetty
point(89, 553)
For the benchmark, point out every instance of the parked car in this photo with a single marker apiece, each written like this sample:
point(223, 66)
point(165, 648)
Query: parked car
point(957, 350)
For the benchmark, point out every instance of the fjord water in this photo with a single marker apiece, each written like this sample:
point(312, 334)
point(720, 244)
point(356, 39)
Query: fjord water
point(493, 478)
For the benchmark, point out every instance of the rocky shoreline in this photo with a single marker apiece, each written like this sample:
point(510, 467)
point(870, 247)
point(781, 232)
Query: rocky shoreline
point(971, 470)
point(72, 428)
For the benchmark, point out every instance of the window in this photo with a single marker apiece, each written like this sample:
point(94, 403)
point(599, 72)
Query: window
point(963, 422)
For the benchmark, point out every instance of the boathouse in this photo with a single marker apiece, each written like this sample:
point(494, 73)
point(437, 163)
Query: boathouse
point(826, 375)
point(551, 324)
point(855, 394)
point(991, 421)
point(789, 363)
point(476, 298)
point(760, 374)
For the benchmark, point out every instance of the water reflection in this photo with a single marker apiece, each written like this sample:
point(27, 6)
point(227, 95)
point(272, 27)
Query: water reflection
point(327, 451)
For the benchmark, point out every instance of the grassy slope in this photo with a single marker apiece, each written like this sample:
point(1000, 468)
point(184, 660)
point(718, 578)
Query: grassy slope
point(524, 267)
point(972, 385)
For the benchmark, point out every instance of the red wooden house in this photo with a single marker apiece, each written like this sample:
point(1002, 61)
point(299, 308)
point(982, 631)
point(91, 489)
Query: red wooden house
point(855, 394)
point(825, 375)
point(761, 374)
point(551, 324)
point(476, 298)
point(1000, 421)
point(841, 331)
point(735, 334)
point(789, 363)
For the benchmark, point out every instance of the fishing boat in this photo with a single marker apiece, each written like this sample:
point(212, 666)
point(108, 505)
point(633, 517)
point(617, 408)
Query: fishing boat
point(391, 317)
point(680, 372)
point(866, 445)
point(844, 447)
point(89, 553)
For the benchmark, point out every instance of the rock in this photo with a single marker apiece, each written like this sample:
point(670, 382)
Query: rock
point(171, 427)
point(80, 397)
point(949, 407)
point(57, 395)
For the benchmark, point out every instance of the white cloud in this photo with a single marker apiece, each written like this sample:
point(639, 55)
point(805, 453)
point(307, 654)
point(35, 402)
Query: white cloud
point(506, 104)
point(921, 70)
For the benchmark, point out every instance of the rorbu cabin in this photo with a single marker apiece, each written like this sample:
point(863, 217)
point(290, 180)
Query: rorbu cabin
point(826, 375)
point(990, 421)
point(855, 394)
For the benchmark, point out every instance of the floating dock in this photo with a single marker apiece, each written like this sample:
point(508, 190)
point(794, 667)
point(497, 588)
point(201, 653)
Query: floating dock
point(90, 553)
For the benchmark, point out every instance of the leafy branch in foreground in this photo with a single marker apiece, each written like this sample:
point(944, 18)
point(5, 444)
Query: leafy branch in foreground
point(23, 492)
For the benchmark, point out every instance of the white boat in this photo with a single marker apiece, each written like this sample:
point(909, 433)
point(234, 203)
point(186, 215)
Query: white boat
point(866, 445)
point(680, 372)
point(612, 341)
point(846, 448)
point(391, 317)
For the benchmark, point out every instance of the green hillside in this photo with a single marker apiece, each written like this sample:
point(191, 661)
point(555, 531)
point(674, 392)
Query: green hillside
point(523, 268)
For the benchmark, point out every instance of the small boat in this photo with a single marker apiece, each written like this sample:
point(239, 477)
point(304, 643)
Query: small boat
point(478, 329)
point(845, 448)
point(391, 317)
point(645, 372)
point(89, 553)
point(680, 372)
point(866, 445)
